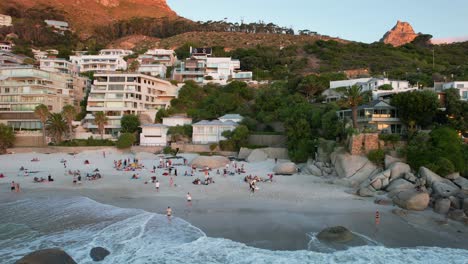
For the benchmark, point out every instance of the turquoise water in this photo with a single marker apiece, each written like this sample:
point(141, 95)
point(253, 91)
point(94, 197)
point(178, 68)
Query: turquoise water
point(136, 236)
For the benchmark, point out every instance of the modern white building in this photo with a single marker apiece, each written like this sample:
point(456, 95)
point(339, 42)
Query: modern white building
point(231, 117)
point(347, 83)
point(58, 26)
point(173, 121)
point(155, 70)
point(58, 65)
point(44, 54)
point(205, 132)
point(99, 63)
point(158, 56)
point(153, 135)
point(462, 87)
point(5, 46)
point(118, 94)
point(5, 20)
point(115, 52)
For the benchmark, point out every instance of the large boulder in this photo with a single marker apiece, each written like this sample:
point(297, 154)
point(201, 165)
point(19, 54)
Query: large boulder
point(389, 160)
point(462, 183)
point(411, 200)
point(212, 162)
point(324, 150)
point(465, 204)
point(347, 165)
point(47, 256)
point(452, 176)
point(442, 206)
point(279, 153)
point(336, 234)
point(366, 191)
point(441, 189)
point(399, 185)
point(409, 176)
point(257, 155)
point(398, 170)
point(457, 215)
point(99, 253)
point(313, 170)
point(429, 176)
point(287, 168)
point(244, 153)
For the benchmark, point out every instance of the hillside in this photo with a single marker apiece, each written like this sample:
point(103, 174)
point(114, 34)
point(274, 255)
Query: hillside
point(85, 15)
point(235, 40)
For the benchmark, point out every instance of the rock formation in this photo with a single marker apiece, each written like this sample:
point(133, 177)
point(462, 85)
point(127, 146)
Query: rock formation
point(400, 34)
point(47, 256)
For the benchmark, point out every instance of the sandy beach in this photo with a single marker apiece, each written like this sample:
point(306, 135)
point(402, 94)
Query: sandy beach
point(280, 216)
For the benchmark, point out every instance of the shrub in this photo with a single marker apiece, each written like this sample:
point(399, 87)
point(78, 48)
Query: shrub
point(125, 140)
point(444, 167)
point(90, 142)
point(377, 156)
point(169, 150)
point(227, 145)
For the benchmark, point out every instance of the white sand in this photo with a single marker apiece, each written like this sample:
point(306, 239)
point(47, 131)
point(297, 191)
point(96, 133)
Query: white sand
point(282, 211)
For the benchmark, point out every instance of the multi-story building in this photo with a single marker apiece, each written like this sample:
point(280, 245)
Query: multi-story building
point(203, 68)
point(158, 56)
point(155, 70)
point(22, 88)
point(58, 26)
point(377, 116)
point(5, 20)
point(205, 132)
point(118, 94)
point(58, 65)
point(9, 59)
point(461, 86)
point(44, 54)
point(99, 63)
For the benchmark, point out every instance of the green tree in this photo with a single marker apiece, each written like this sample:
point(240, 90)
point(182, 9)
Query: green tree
point(129, 123)
point(160, 115)
point(69, 113)
point(447, 144)
point(56, 126)
point(418, 107)
point(456, 112)
point(237, 137)
point(385, 87)
point(354, 98)
point(100, 120)
point(125, 140)
point(42, 112)
point(7, 137)
point(313, 85)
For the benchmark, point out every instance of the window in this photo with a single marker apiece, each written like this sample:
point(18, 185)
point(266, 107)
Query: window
point(465, 95)
point(116, 79)
point(460, 85)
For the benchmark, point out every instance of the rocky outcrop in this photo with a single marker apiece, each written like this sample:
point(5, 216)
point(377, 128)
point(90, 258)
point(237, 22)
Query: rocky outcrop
point(411, 200)
point(244, 153)
point(462, 183)
point(442, 189)
point(212, 162)
point(47, 256)
point(401, 34)
point(389, 160)
point(399, 185)
point(257, 155)
point(287, 168)
point(355, 169)
point(398, 169)
point(98, 253)
point(337, 234)
point(442, 206)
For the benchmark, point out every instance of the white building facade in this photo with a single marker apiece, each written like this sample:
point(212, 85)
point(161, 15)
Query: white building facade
point(118, 94)
point(99, 63)
point(173, 121)
point(158, 56)
point(5, 20)
point(205, 132)
point(153, 135)
point(155, 70)
point(462, 87)
point(58, 65)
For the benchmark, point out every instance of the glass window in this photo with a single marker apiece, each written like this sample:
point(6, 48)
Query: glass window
point(116, 79)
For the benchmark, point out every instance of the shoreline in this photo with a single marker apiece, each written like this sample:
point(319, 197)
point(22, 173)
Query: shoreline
point(278, 217)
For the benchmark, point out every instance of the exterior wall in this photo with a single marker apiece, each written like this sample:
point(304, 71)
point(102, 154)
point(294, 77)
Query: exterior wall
point(115, 52)
point(87, 63)
point(204, 134)
point(155, 70)
point(363, 143)
point(461, 86)
point(268, 140)
point(153, 136)
point(176, 121)
point(58, 65)
point(161, 56)
point(347, 83)
point(28, 139)
point(5, 21)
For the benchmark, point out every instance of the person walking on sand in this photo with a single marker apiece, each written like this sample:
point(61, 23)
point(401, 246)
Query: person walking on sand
point(157, 185)
point(13, 186)
point(175, 172)
point(189, 197)
point(171, 182)
point(17, 188)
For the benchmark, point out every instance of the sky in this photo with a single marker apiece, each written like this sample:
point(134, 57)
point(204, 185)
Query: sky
point(358, 20)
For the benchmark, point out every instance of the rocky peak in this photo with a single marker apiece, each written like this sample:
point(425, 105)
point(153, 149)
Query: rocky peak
point(400, 34)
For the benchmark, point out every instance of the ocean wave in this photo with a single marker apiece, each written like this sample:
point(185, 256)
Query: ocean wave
point(136, 236)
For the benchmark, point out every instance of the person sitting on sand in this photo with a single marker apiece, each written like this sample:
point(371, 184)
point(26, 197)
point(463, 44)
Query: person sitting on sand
point(49, 178)
point(2, 176)
point(36, 179)
point(86, 162)
point(135, 177)
point(21, 168)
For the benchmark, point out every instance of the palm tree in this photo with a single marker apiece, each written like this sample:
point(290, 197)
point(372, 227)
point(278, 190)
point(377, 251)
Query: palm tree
point(69, 113)
point(43, 113)
point(57, 126)
point(353, 96)
point(100, 120)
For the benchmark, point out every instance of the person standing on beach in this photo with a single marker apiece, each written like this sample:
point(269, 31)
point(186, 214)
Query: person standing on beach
point(17, 187)
point(79, 179)
point(171, 182)
point(104, 154)
point(189, 197)
point(13, 186)
point(157, 186)
point(175, 172)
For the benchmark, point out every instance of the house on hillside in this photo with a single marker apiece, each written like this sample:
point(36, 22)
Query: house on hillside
point(205, 132)
point(153, 135)
point(377, 115)
point(173, 121)
point(59, 26)
point(5, 20)
point(462, 87)
point(231, 117)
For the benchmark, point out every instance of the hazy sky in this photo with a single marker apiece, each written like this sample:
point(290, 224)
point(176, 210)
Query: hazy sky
point(360, 20)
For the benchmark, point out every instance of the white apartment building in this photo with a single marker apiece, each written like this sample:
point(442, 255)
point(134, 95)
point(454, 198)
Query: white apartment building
point(173, 121)
point(5, 21)
point(44, 54)
point(99, 63)
point(205, 132)
point(22, 88)
point(153, 135)
point(158, 56)
point(462, 87)
point(58, 65)
point(59, 26)
point(118, 94)
point(155, 70)
point(5, 46)
point(115, 52)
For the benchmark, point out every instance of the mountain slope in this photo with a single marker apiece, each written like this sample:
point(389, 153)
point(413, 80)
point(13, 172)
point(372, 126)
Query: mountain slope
point(85, 15)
